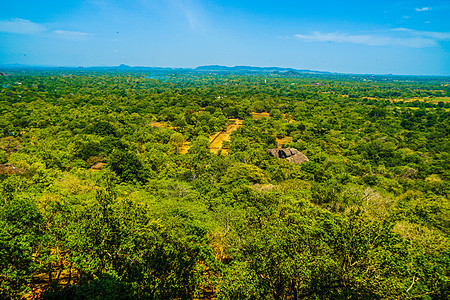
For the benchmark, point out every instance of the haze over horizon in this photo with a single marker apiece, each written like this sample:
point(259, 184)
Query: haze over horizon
point(384, 37)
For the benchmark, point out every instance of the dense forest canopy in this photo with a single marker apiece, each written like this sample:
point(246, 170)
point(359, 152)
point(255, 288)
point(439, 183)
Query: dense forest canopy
point(109, 186)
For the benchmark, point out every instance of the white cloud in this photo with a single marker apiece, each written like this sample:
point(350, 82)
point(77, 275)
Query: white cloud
point(71, 35)
point(191, 13)
point(21, 26)
point(423, 9)
point(192, 19)
point(441, 36)
point(396, 37)
point(365, 39)
point(341, 38)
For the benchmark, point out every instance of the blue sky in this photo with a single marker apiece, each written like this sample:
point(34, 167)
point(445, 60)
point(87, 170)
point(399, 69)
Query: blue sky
point(379, 37)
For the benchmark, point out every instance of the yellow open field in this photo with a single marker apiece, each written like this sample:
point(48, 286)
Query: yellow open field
point(161, 125)
point(283, 141)
point(424, 99)
point(443, 99)
point(185, 148)
point(257, 116)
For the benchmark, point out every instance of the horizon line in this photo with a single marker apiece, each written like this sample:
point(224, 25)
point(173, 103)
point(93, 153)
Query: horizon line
point(125, 66)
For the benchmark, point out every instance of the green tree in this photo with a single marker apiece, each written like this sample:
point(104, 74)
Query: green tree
point(127, 166)
point(177, 140)
point(20, 235)
point(3, 157)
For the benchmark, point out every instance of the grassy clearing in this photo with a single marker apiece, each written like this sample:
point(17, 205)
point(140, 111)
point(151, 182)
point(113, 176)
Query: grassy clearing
point(441, 99)
point(185, 147)
point(424, 99)
point(161, 125)
point(283, 141)
point(257, 116)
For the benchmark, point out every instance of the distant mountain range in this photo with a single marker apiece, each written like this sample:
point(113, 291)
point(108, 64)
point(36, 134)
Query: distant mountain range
point(218, 68)
point(210, 68)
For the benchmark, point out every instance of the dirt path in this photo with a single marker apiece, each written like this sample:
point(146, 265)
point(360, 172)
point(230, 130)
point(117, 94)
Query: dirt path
point(216, 140)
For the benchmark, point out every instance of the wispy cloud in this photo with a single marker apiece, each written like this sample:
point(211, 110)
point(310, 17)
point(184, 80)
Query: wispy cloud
point(71, 35)
point(192, 11)
point(192, 18)
point(442, 36)
point(370, 40)
point(396, 37)
point(21, 26)
point(423, 8)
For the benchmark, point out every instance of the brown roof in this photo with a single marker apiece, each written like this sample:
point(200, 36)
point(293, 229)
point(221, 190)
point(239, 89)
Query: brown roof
point(98, 166)
point(9, 169)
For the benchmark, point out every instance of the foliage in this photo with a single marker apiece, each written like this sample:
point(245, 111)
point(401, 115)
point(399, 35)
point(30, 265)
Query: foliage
point(20, 235)
point(110, 205)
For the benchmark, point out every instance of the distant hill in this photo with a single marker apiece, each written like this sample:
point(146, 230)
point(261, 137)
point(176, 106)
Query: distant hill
point(210, 68)
point(218, 68)
point(121, 67)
